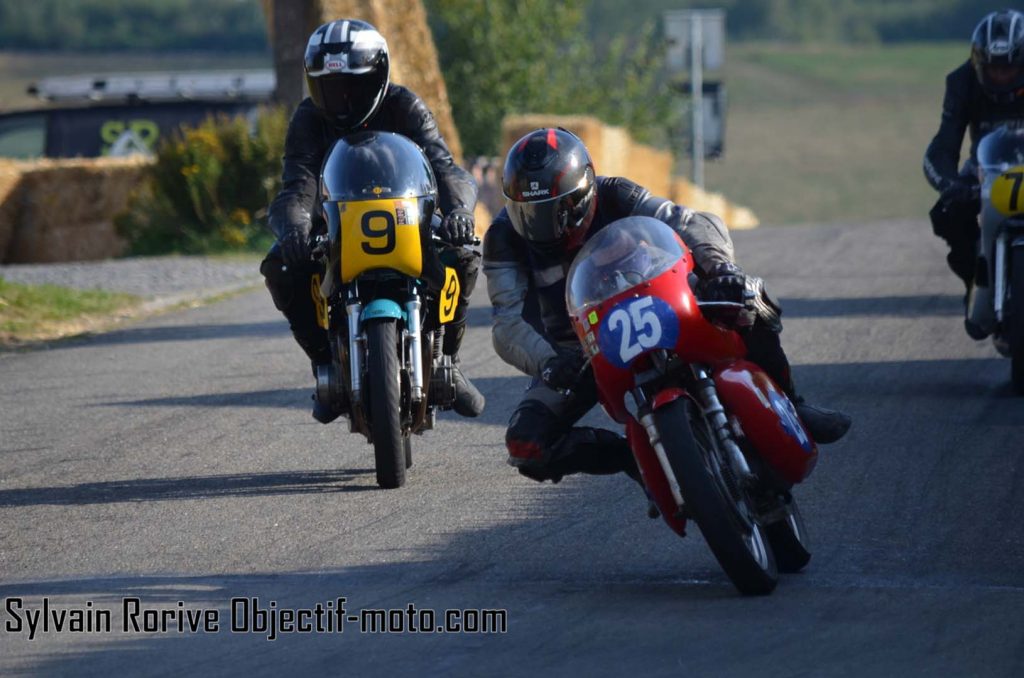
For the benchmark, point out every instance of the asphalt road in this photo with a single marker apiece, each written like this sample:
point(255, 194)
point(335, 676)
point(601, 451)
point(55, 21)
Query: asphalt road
point(175, 460)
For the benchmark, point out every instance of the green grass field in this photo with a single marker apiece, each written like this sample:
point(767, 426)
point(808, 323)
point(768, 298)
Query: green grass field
point(822, 134)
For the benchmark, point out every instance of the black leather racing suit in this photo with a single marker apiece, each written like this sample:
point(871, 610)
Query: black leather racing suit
point(965, 107)
point(295, 208)
point(527, 292)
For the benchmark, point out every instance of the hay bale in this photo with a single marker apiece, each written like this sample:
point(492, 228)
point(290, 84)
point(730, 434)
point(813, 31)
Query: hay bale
point(735, 216)
point(651, 168)
point(67, 208)
point(10, 190)
point(483, 218)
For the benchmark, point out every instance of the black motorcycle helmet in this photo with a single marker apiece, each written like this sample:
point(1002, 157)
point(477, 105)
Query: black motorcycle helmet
point(997, 53)
point(347, 70)
point(550, 189)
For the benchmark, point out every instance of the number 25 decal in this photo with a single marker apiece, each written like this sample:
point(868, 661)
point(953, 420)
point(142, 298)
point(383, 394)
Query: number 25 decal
point(635, 326)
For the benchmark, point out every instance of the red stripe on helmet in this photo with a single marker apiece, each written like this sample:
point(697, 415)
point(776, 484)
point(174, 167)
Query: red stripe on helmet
point(552, 139)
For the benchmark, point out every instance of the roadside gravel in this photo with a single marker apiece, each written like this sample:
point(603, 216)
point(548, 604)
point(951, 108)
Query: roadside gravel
point(161, 281)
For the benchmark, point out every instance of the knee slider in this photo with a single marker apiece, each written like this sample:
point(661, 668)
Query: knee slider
point(528, 441)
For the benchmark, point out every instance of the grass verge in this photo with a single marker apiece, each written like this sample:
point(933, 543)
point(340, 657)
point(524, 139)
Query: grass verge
point(33, 313)
point(831, 133)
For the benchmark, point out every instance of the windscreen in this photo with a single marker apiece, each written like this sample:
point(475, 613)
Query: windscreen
point(622, 255)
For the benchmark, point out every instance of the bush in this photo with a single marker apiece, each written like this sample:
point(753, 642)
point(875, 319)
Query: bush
point(208, 189)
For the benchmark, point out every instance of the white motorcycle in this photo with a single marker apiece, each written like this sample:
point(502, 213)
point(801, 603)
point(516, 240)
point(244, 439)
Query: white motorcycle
point(996, 303)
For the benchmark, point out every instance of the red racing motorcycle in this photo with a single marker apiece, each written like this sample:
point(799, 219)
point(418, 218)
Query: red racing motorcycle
point(716, 440)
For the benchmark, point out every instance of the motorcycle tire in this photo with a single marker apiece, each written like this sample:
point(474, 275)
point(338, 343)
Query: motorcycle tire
point(389, 445)
point(788, 539)
point(1015, 318)
point(721, 510)
point(407, 443)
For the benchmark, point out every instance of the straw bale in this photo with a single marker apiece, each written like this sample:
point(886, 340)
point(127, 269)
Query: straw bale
point(735, 216)
point(67, 208)
point(483, 218)
point(651, 168)
point(10, 183)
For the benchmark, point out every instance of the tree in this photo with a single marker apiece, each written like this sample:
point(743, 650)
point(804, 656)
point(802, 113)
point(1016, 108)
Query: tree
point(533, 56)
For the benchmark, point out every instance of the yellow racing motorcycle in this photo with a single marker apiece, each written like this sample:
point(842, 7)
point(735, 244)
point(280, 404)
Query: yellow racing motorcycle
point(996, 303)
point(384, 296)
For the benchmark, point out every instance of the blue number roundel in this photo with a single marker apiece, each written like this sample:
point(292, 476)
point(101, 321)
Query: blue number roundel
point(634, 326)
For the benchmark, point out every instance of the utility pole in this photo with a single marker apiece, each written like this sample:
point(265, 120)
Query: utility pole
point(697, 99)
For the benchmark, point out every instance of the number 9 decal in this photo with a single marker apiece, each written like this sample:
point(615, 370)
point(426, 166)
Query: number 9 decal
point(386, 231)
point(637, 325)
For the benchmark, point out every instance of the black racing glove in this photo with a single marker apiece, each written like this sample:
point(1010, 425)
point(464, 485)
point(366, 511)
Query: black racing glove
point(725, 282)
point(295, 249)
point(566, 369)
point(457, 227)
point(961, 191)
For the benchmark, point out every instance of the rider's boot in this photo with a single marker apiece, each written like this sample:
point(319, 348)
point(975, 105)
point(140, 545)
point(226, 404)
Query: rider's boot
point(824, 425)
point(599, 452)
point(765, 349)
point(288, 289)
point(469, 402)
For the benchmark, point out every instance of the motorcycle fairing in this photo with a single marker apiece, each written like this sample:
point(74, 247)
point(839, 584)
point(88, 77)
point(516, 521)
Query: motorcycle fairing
point(768, 419)
point(375, 234)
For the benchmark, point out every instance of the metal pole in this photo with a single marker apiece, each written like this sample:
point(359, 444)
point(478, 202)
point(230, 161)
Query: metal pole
point(697, 83)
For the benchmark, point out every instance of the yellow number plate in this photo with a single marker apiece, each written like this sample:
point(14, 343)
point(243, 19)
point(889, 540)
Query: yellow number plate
point(449, 296)
point(1006, 192)
point(319, 302)
point(380, 234)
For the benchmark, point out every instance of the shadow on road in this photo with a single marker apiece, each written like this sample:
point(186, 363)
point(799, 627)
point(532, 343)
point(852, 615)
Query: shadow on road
point(294, 398)
point(193, 487)
point(151, 335)
point(907, 306)
point(495, 389)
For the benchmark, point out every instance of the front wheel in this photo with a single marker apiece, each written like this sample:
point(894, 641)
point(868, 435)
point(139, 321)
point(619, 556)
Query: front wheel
point(1015, 317)
point(788, 539)
point(390, 449)
point(721, 508)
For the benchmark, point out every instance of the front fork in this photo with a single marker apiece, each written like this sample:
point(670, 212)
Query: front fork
point(413, 357)
point(706, 396)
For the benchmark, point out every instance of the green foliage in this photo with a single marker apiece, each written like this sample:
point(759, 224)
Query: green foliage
point(151, 25)
point(532, 56)
point(209, 188)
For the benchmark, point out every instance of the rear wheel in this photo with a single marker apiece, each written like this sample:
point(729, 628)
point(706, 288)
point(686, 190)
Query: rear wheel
point(721, 508)
point(1015, 317)
point(390, 448)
